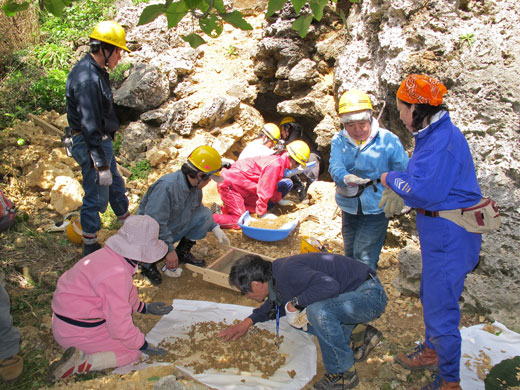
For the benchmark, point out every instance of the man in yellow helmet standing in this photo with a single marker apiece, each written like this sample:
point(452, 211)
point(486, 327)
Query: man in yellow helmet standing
point(93, 122)
point(175, 202)
point(291, 131)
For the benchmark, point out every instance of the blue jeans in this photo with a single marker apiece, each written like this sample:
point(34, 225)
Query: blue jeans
point(9, 335)
point(364, 236)
point(332, 321)
point(96, 197)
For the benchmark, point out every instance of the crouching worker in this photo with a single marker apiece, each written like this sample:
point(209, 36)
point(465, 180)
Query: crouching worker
point(324, 294)
point(175, 202)
point(94, 301)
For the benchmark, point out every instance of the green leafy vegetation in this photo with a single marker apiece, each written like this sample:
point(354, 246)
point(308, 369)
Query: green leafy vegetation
point(118, 73)
point(468, 38)
point(140, 170)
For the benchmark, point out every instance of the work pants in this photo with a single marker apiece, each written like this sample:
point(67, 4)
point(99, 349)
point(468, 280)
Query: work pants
point(9, 335)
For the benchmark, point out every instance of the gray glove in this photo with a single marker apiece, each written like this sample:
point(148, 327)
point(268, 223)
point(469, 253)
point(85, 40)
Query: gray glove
point(150, 350)
point(392, 202)
point(353, 180)
point(158, 308)
point(105, 177)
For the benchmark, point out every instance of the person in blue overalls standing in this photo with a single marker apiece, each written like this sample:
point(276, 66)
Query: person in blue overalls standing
point(440, 176)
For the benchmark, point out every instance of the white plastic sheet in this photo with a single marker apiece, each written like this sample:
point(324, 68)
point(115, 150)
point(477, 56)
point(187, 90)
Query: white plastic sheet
point(298, 346)
point(503, 345)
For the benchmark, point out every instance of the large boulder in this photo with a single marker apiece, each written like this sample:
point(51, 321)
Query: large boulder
point(220, 110)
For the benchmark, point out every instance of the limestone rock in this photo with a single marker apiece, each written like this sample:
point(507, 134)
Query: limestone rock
point(220, 110)
point(45, 173)
point(66, 195)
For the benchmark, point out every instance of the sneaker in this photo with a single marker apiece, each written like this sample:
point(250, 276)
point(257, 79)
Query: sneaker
point(72, 362)
point(423, 358)
point(371, 338)
point(90, 248)
point(152, 274)
point(439, 384)
point(346, 380)
point(11, 368)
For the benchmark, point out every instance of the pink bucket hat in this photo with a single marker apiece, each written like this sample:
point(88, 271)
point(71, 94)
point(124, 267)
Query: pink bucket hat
point(138, 240)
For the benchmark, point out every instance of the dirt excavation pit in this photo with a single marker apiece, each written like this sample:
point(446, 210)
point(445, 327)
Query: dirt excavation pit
point(255, 352)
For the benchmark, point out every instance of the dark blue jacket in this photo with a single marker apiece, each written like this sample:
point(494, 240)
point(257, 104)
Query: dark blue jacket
point(90, 106)
point(312, 277)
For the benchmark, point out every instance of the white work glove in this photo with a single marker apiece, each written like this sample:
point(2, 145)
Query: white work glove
point(297, 319)
point(353, 180)
point(392, 202)
point(221, 236)
point(105, 177)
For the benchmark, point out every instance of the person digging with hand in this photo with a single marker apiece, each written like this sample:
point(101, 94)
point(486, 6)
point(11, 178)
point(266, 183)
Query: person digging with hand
point(323, 294)
point(94, 301)
point(175, 202)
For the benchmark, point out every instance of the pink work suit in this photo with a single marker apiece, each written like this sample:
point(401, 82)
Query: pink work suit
point(99, 287)
point(249, 184)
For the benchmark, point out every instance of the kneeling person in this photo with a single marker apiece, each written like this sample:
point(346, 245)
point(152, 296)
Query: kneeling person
point(94, 301)
point(175, 202)
point(324, 294)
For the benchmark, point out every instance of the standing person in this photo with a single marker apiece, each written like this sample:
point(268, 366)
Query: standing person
point(255, 184)
point(263, 145)
point(93, 120)
point(440, 176)
point(321, 293)
point(291, 131)
point(94, 302)
point(175, 202)
point(11, 364)
point(359, 154)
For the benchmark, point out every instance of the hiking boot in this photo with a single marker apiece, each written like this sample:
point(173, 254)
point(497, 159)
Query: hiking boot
point(346, 380)
point(183, 252)
point(72, 362)
point(90, 248)
point(151, 273)
point(423, 358)
point(371, 338)
point(439, 384)
point(11, 368)
point(216, 209)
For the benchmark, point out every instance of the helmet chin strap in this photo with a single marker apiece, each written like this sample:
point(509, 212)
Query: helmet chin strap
point(109, 55)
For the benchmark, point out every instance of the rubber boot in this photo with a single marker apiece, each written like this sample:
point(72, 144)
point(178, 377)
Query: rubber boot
point(183, 252)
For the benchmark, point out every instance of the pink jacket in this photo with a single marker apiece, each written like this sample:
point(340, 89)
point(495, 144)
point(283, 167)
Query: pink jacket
point(100, 286)
point(258, 176)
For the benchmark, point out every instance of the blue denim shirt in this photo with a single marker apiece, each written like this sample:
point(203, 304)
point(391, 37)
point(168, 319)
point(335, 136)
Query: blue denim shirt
point(90, 105)
point(383, 153)
point(313, 277)
point(172, 203)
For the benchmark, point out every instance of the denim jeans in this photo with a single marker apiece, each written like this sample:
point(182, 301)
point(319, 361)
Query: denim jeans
point(97, 197)
point(364, 236)
point(333, 319)
point(284, 186)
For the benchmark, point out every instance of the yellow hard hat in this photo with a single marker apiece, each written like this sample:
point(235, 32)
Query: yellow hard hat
point(354, 100)
point(299, 151)
point(287, 119)
point(74, 232)
point(110, 32)
point(206, 159)
point(311, 244)
point(272, 132)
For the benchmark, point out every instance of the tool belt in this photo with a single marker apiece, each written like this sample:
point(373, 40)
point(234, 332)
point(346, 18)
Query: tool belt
point(482, 217)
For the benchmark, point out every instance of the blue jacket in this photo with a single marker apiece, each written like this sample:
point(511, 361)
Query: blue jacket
point(172, 203)
point(440, 174)
point(383, 153)
point(90, 106)
point(312, 277)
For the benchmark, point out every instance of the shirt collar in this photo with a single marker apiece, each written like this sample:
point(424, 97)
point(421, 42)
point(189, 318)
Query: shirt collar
point(437, 117)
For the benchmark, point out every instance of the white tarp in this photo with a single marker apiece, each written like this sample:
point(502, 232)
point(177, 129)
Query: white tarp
point(298, 346)
point(504, 344)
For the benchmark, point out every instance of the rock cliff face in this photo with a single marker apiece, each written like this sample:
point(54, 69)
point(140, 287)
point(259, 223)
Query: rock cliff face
point(222, 92)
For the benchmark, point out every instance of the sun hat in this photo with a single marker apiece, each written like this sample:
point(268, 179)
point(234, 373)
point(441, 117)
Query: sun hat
point(138, 240)
point(421, 89)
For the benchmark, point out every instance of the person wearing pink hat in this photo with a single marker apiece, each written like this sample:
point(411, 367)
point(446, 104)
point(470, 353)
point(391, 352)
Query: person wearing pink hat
point(94, 302)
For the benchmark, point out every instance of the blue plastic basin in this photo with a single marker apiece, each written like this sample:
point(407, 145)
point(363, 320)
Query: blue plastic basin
point(265, 234)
